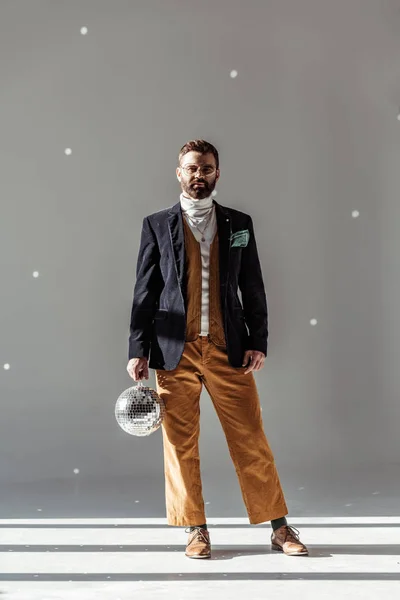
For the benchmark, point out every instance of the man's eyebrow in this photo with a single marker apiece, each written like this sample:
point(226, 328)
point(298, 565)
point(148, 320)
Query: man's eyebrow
point(200, 165)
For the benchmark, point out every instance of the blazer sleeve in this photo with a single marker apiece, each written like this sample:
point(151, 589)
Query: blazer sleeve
point(253, 294)
point(146, 293)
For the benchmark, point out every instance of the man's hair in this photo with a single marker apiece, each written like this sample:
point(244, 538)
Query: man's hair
point(199, 146)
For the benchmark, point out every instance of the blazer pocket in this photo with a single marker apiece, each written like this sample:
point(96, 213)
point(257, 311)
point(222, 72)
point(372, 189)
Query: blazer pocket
point(240, 238)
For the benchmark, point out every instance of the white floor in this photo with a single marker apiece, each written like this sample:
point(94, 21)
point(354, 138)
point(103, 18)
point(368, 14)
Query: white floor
point(52, 559)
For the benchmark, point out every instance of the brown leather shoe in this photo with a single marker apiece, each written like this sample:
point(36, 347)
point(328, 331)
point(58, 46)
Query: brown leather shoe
point(198, 545)
point(286, 539)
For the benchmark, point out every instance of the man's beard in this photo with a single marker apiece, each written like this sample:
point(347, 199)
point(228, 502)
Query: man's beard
point(200, 192)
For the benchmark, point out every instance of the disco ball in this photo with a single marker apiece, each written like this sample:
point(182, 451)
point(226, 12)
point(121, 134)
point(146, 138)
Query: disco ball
point(139, 410)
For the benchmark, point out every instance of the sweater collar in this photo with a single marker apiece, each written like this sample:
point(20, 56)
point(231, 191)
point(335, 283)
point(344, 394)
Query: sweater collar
point(196, 209)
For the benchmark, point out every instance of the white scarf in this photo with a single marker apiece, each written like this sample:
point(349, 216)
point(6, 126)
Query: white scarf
point(197, 210)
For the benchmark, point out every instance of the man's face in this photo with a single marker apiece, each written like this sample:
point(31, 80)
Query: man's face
point(190, 178)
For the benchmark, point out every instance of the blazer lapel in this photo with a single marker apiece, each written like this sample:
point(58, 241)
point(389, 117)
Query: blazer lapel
point(175, 224)
point(224, 232)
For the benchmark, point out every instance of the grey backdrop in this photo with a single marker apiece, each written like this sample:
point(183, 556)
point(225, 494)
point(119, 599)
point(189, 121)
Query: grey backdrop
point(307, 133)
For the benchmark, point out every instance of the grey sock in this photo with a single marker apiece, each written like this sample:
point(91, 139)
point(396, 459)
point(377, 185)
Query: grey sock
point(276, 523)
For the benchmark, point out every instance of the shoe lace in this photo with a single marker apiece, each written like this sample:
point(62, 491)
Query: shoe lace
point(292, 534)
point(199, 533)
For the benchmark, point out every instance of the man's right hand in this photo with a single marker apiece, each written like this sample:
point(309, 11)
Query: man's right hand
point(138, 368)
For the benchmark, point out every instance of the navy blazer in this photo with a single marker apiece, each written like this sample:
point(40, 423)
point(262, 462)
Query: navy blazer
point(158, 317)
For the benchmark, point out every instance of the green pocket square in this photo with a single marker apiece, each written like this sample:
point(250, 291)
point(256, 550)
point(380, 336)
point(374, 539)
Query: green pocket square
point(240, 238)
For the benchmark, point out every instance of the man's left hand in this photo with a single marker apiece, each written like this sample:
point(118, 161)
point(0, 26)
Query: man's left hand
point(257, 360)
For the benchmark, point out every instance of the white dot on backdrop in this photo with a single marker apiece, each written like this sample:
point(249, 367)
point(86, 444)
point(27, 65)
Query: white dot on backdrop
point(398, 117)
point(68, 151)
point(84, 30)
point(6, 367)
point(313, 321)
point(234, 74)
point(76, 470)
point(35, 273)
point(355, 214)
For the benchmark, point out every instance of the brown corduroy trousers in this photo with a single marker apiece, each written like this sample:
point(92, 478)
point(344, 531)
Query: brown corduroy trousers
point(236, 401)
